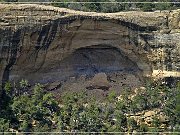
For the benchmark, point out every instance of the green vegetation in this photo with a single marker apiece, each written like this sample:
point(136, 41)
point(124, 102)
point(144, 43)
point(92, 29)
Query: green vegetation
point(110, 5)
point(116, 6)
point(31, 109)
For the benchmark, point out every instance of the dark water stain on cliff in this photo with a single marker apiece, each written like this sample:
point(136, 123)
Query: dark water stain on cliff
point(49, 32)
point(43, 34)
point(14, 45)
point(51, 36)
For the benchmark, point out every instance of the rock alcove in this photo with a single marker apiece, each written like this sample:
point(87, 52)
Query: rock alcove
point(47, 44)
point(95, 59)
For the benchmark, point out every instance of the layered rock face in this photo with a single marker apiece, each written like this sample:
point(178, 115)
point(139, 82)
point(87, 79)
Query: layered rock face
point(48, 44)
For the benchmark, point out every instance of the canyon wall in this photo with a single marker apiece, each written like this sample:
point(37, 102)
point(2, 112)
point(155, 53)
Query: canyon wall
point(45, 44)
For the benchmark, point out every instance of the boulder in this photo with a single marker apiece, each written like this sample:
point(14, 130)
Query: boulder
point(99, 81)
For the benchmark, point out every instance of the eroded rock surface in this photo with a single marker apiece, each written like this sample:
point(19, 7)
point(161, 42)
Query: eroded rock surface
point(49, 44)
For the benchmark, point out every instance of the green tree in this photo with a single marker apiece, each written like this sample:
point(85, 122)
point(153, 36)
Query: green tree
point(143, 128)
point(171, 106)
point(163, 6)
point(112, 96)
point(23, 84)
point(4, 125)
point(147, 7)
point(121, 121)
point(65, 4)
point(132, 125)
point(8, 88)
point(39, 107)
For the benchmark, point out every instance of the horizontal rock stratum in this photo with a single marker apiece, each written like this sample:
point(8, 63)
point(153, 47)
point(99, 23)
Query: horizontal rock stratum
point(45, 44)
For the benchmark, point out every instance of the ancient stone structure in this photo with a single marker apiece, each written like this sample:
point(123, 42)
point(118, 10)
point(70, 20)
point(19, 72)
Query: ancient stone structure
point(47, 44)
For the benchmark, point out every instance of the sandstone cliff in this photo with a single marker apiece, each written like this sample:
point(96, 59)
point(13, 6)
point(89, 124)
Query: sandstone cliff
point(47, 44)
